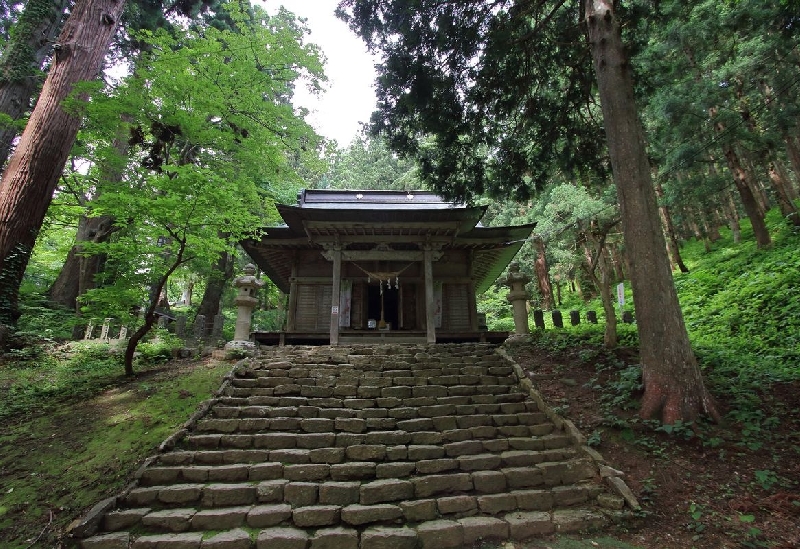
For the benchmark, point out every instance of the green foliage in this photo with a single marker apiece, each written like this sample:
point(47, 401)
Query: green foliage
point(484, 104)
point(41, 320)
point(214, 142)
point(159, 348)
point(41, 376)
point(63, 451)
point(766, 478)
point(367, 163)
point(493, 302)
point(744, 319)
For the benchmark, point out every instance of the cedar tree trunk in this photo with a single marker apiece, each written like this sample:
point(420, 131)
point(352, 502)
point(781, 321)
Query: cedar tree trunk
point(543, 275)
point(793, 152)
point(31, 43)
point(217, 281)
point(669, 229)
point(27, 185)
point(749, 200)
point(779, 185)
point(79, 272)
point(673, 385)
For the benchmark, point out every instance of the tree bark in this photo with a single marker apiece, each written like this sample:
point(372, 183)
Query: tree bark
point(31, 43)
point(673, 385)
point(793, 152)
point(779, 185)
point(749, 201)
point(597, 258)
point(733, 217)
point(221, 273)
point(27, 185)
point(669, 230)
point(787, 180)
point(543, 275)
point(79, 272)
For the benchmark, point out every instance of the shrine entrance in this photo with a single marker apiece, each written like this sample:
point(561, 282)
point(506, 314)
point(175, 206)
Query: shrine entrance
point(383, 304)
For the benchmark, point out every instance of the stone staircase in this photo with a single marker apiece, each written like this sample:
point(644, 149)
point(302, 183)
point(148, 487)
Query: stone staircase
point(370, 447)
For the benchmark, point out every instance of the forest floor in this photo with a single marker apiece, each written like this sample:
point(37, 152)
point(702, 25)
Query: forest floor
point(733, 485)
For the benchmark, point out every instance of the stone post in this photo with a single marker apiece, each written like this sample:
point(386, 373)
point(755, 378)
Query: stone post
point(180, 326)
point(518, 297)
point(199, 328)
point(538, 318)
point(245, 302)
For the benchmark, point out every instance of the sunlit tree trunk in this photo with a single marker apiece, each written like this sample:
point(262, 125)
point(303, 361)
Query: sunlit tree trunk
point(27, 185)
point(673, 386)
point(779, 185)
point(669, 230)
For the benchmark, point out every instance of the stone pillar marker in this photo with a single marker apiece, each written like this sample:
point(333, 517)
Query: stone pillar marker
point(518, 297)
point(245, 302)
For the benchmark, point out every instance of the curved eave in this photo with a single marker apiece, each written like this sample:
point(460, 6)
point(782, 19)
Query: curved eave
point(494, 248)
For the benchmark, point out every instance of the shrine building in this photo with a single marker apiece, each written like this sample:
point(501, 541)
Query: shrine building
point(362, 266)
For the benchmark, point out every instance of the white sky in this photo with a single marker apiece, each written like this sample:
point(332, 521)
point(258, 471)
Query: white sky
point(350, 95)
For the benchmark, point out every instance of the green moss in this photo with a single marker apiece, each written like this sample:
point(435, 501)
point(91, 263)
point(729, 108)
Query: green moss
point(93, 445)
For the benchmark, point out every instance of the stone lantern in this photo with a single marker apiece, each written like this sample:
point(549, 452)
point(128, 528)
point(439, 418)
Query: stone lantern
point(245, 302)
point(518, 297)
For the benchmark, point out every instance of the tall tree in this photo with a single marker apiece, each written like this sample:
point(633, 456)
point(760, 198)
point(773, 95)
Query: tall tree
point(30, 43)
point(673, 386)
point(505, 88)
point(27, 185)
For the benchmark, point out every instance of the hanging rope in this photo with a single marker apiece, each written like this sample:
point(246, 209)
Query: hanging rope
point(384, 276)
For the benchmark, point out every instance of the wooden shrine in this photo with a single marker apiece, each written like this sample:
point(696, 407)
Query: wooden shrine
point(367, 265)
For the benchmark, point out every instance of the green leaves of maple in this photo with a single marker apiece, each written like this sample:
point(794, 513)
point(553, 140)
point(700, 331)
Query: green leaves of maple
point(213, 141)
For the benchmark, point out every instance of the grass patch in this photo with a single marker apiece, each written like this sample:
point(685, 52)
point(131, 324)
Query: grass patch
point(59, 460)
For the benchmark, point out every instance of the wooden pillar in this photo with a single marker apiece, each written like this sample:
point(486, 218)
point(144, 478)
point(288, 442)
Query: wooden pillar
point(291, 313)
point(335, 294)
point(430, 304)
point(472, 301)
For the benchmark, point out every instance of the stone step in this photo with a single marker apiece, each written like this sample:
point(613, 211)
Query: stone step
point(311, 419)
point(307, 390)
point(449, 406)
point(513, 396)
point(369, 447)
point(297, 484)
point(492, 439)
point(288, 463)
point(440, 533)
point(348, 503)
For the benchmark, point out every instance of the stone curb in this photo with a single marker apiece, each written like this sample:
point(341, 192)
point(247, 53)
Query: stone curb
point(609, 475)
